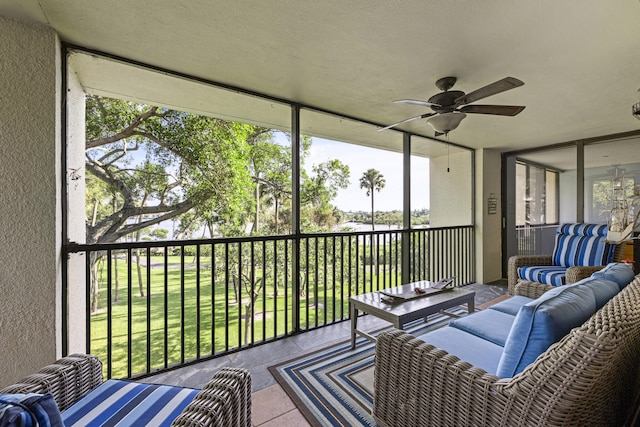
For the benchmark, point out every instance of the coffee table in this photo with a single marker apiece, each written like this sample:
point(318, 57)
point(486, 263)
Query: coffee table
point(404, 311)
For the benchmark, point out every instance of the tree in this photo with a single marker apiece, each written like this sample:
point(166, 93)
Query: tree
point(372, 180)
point(317, 191)
point(199, 162)
point(160, 164)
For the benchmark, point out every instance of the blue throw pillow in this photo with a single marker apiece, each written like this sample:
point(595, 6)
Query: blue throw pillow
point(617, 272)
point(543, 322)
point(29, 410)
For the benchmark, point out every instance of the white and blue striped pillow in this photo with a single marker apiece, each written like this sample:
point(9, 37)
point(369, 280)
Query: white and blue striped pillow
point(582, 245)
point(29, 410)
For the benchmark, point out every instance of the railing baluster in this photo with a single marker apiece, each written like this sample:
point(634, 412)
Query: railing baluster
point(239, 294)
point(182, 315)
point(226, 296)
point(286, 287)
point(333, 278)
point(148, 299)
point(264, 290)
point(129, 310)
point(307, 285)
point(109, 318)
point(316, 281)
point(324, 279)
point(198, 302)
point(166, 309)
point(213, 298)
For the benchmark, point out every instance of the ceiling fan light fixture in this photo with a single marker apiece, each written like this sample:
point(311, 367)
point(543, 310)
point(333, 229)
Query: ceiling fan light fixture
point(446, 122)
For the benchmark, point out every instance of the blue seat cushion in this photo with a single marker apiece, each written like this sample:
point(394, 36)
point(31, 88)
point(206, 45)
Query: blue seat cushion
point(491, 325)
point(617, 272)
point(603, 290)
point(547, 274)
point(582, 245)
point(543, 322)
point(129, 403)
point(470, 348)
point(511, 305)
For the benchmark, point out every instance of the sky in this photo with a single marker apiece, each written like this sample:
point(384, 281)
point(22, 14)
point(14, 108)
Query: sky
point(389, 164)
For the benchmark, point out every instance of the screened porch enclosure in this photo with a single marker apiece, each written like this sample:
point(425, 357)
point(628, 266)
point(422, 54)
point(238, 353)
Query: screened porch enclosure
point(145, 301)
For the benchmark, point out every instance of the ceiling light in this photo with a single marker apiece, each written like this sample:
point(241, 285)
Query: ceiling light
point(445, 122)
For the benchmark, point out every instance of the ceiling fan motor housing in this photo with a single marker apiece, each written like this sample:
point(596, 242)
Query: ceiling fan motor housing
point(445, 100)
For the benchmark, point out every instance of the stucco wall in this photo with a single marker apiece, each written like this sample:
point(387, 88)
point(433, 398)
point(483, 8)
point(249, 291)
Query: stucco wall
point(29, 219)
point(488, 225)
point(450, 191)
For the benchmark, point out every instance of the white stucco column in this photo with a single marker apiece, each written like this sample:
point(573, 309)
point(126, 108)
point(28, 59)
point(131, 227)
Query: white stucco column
point(488, 221)
point(30, 147)
point(76, 216)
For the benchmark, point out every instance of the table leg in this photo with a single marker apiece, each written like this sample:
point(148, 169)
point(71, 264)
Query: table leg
point(471, 305)
point(354, 323)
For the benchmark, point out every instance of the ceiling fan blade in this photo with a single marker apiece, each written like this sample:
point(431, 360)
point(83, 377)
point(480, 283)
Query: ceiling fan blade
point(416, 102)
point(421, 116)
point(498, 110)
point(491, 89)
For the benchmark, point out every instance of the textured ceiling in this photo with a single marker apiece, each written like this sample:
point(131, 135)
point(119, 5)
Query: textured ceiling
point(579, 59)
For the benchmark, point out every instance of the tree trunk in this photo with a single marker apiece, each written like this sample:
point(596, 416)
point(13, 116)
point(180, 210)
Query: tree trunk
point(116, 290)
point(256, 223)
point(95, 292)
point(373, 222)
point(276, 208)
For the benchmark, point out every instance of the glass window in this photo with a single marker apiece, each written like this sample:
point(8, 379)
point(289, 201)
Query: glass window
point(536, 195)
point(603, 162)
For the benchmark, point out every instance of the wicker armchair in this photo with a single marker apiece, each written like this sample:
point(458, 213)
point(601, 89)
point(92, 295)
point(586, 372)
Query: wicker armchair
point(587, 378)
point(572, 274)
point(224, 401)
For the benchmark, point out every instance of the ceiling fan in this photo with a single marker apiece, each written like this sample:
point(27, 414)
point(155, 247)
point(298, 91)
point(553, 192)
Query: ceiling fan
point(451, 106)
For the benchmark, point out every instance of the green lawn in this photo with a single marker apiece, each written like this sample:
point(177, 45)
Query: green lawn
point(221, 328)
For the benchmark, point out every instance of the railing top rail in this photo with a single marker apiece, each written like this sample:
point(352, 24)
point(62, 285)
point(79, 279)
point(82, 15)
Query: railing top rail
point(554, 225)
point(73, 247)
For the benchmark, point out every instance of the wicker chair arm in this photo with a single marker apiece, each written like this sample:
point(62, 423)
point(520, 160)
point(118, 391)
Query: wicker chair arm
point(531, 289)
point(224, 401)
point(575, 274)
point(68, 379)
point(521, 260)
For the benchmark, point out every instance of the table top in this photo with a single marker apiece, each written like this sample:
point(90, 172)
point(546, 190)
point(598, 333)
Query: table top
point(372, 302)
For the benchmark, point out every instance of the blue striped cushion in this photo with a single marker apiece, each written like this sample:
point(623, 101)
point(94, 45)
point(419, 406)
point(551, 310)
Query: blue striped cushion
point(128, 403)
point(547, 274)
point(582, 245)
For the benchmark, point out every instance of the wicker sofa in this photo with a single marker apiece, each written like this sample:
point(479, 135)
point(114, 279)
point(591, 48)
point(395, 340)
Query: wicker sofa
point(580, 250)
point(589, 377)
point(224, 401)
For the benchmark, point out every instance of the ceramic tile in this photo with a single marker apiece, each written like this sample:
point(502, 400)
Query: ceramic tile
point(270, 403)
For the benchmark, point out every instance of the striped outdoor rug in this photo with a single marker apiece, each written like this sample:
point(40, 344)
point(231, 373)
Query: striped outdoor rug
point(334, 386)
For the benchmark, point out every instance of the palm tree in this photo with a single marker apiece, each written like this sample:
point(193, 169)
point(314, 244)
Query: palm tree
point(372, 180)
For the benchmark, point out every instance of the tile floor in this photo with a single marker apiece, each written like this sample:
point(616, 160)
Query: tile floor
point(271, 405)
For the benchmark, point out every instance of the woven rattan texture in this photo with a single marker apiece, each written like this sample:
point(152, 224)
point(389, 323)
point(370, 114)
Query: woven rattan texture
point(573, 274)
point(224, 401)
point(588, 378)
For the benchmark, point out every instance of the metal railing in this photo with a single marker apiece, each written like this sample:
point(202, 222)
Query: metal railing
point(535, 239)
point(153, 306)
